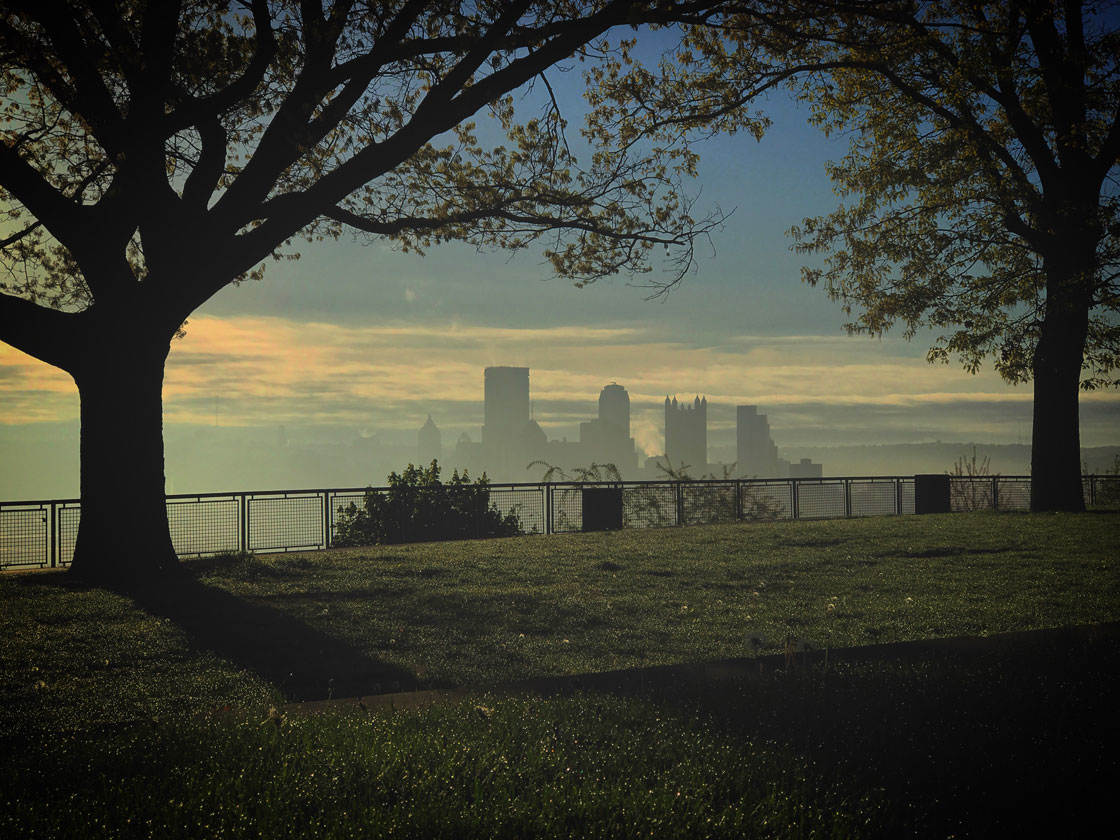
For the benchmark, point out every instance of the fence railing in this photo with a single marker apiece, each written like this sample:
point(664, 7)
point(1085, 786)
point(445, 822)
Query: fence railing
point(42, 533)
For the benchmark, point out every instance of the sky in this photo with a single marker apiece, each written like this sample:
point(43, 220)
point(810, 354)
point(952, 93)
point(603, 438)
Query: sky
point(362, 340)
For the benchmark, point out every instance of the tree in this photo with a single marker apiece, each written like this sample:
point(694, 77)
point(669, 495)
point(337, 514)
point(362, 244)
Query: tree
point(155, 152)
point(981, 175)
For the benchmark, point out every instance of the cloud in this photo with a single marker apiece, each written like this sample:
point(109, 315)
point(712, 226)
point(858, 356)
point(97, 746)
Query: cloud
point(267, 371)
point(34, 392)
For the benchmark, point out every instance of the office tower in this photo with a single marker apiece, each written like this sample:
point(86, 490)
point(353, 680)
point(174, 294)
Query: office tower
point(686, 435)
point(506, 407)
point(756, 453)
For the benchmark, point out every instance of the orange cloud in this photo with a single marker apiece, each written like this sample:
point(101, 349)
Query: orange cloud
point(267, 370)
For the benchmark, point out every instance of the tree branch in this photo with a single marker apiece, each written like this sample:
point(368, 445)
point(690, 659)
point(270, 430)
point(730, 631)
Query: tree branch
point(49, 335)
point(17, 236)
point(203, 180)
point(196, 111)
point(89, 96)
point(65, 220)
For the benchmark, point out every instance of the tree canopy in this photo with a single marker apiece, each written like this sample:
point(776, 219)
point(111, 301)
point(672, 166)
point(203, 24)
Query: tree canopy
point(128, 126)
point(979, 192)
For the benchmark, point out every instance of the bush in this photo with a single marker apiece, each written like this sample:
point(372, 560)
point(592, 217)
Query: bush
point(419, 507)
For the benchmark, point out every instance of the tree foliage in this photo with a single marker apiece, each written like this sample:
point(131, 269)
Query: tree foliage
point(972, 128)
point(130, 126)
point(984, 140)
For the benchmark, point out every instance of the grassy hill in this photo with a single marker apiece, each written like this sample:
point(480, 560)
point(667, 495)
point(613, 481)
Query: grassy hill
point(770, 679)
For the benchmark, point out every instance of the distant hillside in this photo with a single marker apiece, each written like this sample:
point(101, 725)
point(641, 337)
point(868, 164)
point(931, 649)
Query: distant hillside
point(907, 459)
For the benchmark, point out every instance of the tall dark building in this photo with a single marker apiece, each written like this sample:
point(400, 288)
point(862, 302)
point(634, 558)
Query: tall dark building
point(614, 411)
point(606, 440)
point(756, 453)
point(686, 434)
point(506, 408)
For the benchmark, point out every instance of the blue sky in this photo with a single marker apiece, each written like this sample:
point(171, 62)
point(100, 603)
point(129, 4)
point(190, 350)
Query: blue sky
point(365, 338)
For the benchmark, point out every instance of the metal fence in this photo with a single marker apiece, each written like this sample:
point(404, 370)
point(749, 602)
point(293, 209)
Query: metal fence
point(43, 533)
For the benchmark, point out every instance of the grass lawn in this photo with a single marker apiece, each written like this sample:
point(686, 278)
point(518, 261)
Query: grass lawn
point(588, 699)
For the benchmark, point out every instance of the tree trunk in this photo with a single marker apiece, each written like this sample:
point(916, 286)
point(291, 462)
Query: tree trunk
point(1058, 359)
point(1056, 439)
point(123, 534)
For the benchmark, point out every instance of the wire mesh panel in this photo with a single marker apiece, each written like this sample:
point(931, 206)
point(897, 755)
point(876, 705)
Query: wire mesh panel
point(525, 503)
point(283, 522)
point(567, 509)
point(766, 500)
point(705, 502)
point(68, 517)
point(823, 499)
point(342, 508)
point(906, 493)
point(1014, 493)
point(204, 526)
point(873, 498)
point(24, 536)
point(1106, 491)
point(649, 506)
point(967, 494)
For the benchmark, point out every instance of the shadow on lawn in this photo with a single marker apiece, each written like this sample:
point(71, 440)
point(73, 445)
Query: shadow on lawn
point(1011, 734)
point(304, 663)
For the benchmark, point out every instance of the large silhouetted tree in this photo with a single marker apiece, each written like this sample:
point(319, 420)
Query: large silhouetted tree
point(152, 153)
point(981, 178)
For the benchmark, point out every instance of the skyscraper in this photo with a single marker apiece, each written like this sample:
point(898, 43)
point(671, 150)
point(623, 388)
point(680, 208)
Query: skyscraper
point(686, 435)
point(506, 407)
point(756, 454)
point(614, 411)
point(606, 440)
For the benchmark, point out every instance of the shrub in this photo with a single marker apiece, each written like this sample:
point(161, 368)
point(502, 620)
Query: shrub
point(417, 506)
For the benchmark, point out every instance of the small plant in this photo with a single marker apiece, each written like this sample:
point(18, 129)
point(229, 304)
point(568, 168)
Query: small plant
point(709, 503)
point(565, 497)
point(971, 485)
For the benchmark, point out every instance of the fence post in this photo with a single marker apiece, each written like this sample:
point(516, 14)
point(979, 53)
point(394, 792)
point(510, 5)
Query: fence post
point(54, 534)
point(995, 492)
point(680, 502)
point(244, 524)
point(898, 497)
point(793, 495)
point(848, 498)
point(326, 518)
point(548, 507)
point(738, 500)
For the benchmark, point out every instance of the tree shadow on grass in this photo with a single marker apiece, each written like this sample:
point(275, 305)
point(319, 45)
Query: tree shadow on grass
point(304, 663)
point(997, 736)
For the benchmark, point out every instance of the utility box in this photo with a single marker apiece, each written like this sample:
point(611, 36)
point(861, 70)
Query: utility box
point(931, 494)
point(602, 508)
